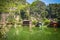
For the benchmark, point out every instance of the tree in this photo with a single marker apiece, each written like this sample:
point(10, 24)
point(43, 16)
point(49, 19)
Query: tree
point(6, 5)
point(38, 8)
point(13, 7)
point(54, 10)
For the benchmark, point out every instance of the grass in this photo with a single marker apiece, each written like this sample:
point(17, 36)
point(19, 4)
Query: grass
point(23, 33)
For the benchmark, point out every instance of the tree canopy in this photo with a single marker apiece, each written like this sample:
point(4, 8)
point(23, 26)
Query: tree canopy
point(38, 8)
point(14, 5)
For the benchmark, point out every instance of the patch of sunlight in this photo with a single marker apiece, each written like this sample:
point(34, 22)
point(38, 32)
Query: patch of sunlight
point(6, 29)
point(19, 26)
point(16, 32)
point(15, 26)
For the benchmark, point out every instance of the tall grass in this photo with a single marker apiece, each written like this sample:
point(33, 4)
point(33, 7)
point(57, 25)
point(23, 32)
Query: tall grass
point(23, 33)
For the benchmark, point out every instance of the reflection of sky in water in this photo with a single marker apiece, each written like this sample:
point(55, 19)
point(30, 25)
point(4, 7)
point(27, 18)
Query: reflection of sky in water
point(46, 1)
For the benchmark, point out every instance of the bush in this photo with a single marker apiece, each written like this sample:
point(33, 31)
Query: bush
point(11, 19)
point(0, 34)
point(46, 21)
point(34, 22)
point(3, 31)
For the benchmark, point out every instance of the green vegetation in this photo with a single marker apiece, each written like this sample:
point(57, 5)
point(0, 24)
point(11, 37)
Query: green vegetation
point(46, 21)
point(37, 9)
point(15, 11)
point(23, 33)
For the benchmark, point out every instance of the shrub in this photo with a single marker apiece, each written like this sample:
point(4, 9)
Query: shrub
point(11, 19)
point(34, 22)
point(3, 31)
point(46, 21)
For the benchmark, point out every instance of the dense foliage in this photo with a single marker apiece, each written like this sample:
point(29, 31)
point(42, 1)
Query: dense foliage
point(38, 9)
point(36, 12)
point(54, 10)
